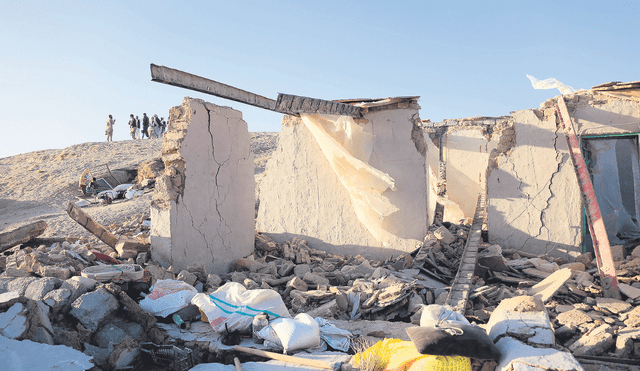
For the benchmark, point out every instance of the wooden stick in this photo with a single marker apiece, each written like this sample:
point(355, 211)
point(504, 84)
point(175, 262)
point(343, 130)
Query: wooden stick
point(285, 358)
point(236, 362)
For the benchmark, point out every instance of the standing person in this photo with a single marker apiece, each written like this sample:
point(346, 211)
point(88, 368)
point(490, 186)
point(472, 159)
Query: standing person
point(164, 125)
point(132, 126)
point(109, 131)
point(158, 126)
point(152, 128)
point(138, 128)
point(145, 125)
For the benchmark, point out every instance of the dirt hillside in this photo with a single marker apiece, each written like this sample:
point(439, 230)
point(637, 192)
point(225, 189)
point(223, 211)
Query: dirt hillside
point(38, 185)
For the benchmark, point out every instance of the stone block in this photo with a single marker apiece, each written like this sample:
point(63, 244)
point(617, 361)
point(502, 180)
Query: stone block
point(214, 220)
point(39, 288)
point(301, 269)
point(213, 280)
point(636, 252)
point(129, 247)
point(7, 299)
point(296, 283)
point(492, 258)
point(20, 284)
point(444, 236)
point(596, 342)
point(517, 356)
point(15, 272)
point(94, 308)
point(187, 277)
point(55, 271)
point(315, 279)
point(67, 338)
point(109, 334)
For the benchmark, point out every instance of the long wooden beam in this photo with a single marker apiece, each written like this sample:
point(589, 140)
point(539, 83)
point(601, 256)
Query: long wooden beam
point(286, 103)
point(189, 81)
point(601, 246)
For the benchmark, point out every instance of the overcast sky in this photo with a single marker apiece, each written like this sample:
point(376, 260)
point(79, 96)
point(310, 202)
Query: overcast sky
point(65, 66)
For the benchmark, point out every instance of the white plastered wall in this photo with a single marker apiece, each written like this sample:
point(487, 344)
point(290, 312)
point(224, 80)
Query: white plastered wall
point(301, 196)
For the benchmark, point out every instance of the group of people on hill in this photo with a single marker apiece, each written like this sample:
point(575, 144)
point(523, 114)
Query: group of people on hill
point(152, 127)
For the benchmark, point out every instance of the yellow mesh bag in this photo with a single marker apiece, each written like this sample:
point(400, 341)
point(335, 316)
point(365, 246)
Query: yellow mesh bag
point(398, 355)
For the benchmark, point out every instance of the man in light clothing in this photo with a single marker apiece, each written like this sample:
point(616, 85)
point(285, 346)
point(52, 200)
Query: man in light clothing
point(109, 131)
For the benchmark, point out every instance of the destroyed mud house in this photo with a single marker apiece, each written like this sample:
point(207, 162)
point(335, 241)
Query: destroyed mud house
point(375, 240)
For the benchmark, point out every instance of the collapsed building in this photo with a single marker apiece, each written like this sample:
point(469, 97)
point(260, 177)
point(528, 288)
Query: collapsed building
point(367, 214)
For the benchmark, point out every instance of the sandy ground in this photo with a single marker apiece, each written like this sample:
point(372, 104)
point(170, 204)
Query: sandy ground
point(37, 185)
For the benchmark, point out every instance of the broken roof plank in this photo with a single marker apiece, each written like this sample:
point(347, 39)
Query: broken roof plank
point(189, 81)
point(295, 105)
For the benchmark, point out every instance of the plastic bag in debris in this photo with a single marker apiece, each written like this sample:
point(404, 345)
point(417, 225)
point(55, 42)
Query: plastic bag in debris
point(348, 148)
point(435, 314)
point(550, 83)
point(131, 193)
point(300, 332)
point(395, 354)
point(232, 306)
point(335, 337)
point(168, 296)
point(122, 187)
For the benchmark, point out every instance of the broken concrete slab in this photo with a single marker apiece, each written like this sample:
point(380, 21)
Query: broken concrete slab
point(13, 322)
point(614, 306)
point(550, 285)
point(629, 291)
point(19, 355)
point(517, 356)
point(573, 318)
point(209, 167)
point(21, 234)
point(94, 308)
point(523, 318)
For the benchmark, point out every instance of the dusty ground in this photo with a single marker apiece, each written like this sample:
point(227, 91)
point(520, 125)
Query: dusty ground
point(38, 185)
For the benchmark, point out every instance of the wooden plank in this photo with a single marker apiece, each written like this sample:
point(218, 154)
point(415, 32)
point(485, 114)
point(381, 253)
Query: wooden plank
point(92, 226)
point(284, 358)
point(601, 246)
point(294, 105)
point(189, 81)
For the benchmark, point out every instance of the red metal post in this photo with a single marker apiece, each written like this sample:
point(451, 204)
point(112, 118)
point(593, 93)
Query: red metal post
point(601, 246)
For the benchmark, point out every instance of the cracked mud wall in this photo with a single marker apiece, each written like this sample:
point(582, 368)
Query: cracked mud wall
point(203, 208)
point(534, 202)
point(534, 199)
point(301, 196)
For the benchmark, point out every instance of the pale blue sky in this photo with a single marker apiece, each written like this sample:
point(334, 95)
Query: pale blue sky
point(66, 65)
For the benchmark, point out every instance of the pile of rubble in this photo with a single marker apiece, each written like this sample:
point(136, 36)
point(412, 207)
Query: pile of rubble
point(45, 299)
